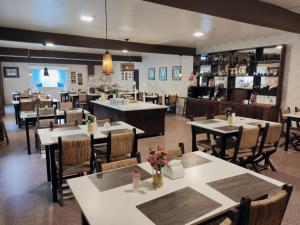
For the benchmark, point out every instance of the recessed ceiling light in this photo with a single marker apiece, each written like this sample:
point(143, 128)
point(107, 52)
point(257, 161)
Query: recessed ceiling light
point(279, 46)
point(125, 51)
point(49, 44)
point(87, 18)
point(198, 34)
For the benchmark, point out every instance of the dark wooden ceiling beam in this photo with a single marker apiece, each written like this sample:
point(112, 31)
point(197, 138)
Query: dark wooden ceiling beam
point(247, 11)
point(12, 34)
point(63, 55)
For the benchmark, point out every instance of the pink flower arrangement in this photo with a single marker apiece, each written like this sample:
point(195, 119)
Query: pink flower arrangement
point(157, 158)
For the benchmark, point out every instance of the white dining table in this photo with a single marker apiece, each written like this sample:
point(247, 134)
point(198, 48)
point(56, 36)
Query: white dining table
point(121, 205)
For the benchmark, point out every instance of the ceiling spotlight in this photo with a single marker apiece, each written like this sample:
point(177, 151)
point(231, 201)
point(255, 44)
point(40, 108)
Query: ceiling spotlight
point(87, 18)
point(125, 51)
point(279, 46)
point(198, 34)
point(49, 44)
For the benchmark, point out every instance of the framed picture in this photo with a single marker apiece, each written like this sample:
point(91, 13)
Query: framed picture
point(80, 75)
point(176, 71)
point(163, 73)
point(11, 72)
point(151, 73)
point(79, 79)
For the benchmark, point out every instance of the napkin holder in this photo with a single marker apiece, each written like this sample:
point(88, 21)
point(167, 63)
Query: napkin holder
point(174, 170)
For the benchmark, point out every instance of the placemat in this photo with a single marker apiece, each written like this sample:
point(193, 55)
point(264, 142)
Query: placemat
point(65, 129)
point(191, 160)
point(206, 121)
point(111, 124)
point(70, 137)
point(179, 207)
point(244, 185)
point(116, 178)
point(115, 131)
point(228, 128)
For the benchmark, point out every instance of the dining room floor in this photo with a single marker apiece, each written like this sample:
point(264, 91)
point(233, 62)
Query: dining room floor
point(25, 196)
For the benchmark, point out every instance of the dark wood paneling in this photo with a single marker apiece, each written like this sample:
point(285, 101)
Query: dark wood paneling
point(63, 55)
point(12, 34)
point(247, 11)
point(2, 101)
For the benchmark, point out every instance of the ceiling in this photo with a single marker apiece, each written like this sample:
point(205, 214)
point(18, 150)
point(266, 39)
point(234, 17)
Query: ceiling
point(140, 21)
point(292, 5)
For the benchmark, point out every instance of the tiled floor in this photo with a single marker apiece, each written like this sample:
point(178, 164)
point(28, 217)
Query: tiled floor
point(25, 195)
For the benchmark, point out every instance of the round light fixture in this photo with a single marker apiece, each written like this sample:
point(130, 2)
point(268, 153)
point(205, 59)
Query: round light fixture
point(49, 44)
point(87, 18)
point(125, 51)
point(279, 46)
point(198, 34)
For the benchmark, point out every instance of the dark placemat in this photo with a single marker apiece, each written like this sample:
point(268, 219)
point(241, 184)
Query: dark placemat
point(191, 160)
point(65, 129)
point(116, 178)
point(115, 131)
point(244, 185)
point(207, 121)
point(70, 137)
point(179, 207)
point(228, 128)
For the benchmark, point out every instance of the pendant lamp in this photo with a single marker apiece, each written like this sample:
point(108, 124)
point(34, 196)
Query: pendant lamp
point(107, 65)
point(46, 74)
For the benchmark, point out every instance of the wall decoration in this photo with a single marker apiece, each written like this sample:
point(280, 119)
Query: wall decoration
point(73, 77)
point(80, 80)
point(11, 72)
point(163, 73)
point(151, 73)
point(176, 71)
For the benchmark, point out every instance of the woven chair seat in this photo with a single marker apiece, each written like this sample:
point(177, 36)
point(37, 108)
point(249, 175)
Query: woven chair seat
point(230, 142)
point(207, 144)
point(295, 131)
point(119, 164)
point(243, 153)
point(227, 221)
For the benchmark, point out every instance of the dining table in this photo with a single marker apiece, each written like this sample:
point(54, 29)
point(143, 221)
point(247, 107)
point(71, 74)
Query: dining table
point(223, 129)
point(290, 118)
point(49, 139)
point(209, 188)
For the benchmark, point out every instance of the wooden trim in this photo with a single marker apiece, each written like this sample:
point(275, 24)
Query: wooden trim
point(2, 99)
point(63, 55)
point(246, 11)
point(13, 34)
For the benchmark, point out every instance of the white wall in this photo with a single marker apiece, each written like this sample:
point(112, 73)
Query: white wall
point(291, 83)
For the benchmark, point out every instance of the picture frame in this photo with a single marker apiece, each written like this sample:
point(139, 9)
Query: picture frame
point(163, 73)
point(79, 75)
point(10, 72)
point(151, 73)
point(176, 71)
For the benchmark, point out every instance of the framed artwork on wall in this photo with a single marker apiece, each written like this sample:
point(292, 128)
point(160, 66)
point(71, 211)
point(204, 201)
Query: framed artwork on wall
point(163, 73)
point(10, 72)
point(176, 71)
point(73, 77)
point(151, 73)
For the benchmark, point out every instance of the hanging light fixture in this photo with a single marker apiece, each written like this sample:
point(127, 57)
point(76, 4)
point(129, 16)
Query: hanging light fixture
point(107, 65)
point(29, 58)
point(46, 73)
point(180, 74)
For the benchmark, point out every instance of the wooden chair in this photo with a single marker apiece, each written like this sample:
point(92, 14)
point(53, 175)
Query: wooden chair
point(43, 121)
point(103, 167)
point(3, 133)
point(269, 211)
point(24, 95)
point(268, 145)
point(82, 100)
point(72, 115)
point(172, 103)
point(65, 105)
point(207, 144)
point(245, 147)
point(75, 157)
point(121, 145)
point(176, 152)
point(102, 122)
point(101, 148)
point(26, 106)
point(45, 103)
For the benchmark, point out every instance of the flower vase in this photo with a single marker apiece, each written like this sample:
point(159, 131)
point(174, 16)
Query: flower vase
point(157, 179)
point(90, 127)
point(230, 120)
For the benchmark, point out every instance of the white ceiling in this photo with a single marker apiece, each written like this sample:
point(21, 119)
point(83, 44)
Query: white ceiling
point(292, 5)
point(135, 19)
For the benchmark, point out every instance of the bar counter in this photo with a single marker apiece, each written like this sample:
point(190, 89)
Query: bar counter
point(145, 116)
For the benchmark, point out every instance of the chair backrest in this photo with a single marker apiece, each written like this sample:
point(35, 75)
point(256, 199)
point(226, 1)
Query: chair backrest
point(102, 122)
point(283, 111)
point(44, 97)
point(45, 112)
point(269, 211)
point(74, 151)
point(176, 152)
point(74, 115)
point(26, 106)
point(82, 98)
point(160, 100)
point(44, 103)
point(220, 117)
point(273, 133)
point(248, 137)
point(120, 144)
point(118, 164)
point(65, 105)
point(198, 118)
point(227, 221)
point(24, 95)
point(172, 99)
point(296, 109)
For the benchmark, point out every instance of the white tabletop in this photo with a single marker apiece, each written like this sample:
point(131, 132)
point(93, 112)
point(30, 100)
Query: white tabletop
point(48, 137)
point(32, 114)
point(118, 205)
point(17, 102)
point(237, 121)
point(131, 106)
point(292, 115)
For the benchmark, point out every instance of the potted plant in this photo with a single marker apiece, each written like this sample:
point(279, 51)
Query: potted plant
point(229, 113)
point(91, 123)
point(157, 158)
